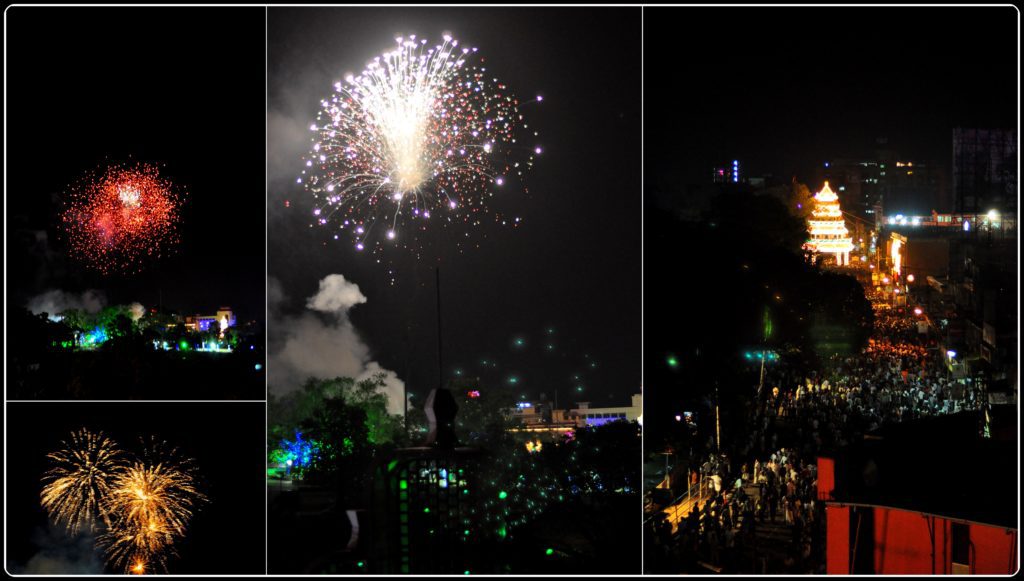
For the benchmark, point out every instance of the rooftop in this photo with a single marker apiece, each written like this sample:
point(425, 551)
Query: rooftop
point(939, 466)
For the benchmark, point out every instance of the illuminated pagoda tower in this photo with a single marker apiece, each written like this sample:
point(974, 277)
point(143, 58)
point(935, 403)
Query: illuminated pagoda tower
point(828, 228)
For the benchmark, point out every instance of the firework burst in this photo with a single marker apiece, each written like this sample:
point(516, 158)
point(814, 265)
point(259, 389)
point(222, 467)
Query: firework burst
point(81, 478)
point(117, 218)
point(421, 135)
point(145, 504)
point(150, 502)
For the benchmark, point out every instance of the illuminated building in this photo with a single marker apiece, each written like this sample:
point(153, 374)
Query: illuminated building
point(540, 417)
point(828, 228)
point(223, 319)
point(897, 246)
point(727, 174)
point(589, 416)
point(991, 221)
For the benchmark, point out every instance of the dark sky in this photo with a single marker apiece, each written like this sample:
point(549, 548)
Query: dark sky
point(181, 88)
point(783, 89)
point(574, 265)
point(225, 440)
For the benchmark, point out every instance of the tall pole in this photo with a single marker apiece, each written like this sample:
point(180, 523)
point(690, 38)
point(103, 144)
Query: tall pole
point(405, 384)
point(767, 331)
point(718, 423)
point(440, 359)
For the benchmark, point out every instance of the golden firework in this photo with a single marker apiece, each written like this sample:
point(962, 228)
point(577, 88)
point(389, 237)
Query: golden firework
point(150, 502)
point(75, 487)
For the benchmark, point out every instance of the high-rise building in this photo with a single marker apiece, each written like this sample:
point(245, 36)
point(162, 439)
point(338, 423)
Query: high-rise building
point(985, 170)
point(899, 185)
point(727, 174)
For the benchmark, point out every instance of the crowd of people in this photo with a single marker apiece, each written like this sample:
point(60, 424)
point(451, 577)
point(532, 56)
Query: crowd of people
point(898, 377)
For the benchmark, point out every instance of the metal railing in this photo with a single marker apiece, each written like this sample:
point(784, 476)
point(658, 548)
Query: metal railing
point(697, 491)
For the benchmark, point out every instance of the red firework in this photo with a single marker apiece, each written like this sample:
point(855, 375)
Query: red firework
point(117, 218)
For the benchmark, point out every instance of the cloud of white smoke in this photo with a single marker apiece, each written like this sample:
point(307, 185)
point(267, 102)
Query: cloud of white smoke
point(322, 342)
point(54, 302)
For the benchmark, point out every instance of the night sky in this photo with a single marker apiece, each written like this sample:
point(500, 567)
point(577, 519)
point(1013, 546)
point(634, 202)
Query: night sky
point(784, 89)
point(180, 88)
point(225, 536)
point(575, 263)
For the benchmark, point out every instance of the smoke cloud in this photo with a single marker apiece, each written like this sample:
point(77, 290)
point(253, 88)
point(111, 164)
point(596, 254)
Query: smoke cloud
point(56, 301)
point(322, 342)
point(61, 555)
point(136, 311)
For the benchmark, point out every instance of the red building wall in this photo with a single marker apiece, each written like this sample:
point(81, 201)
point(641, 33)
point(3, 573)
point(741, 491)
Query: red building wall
point(994, 550)
point(826, 477)
point(837, 542)
point(903, 544)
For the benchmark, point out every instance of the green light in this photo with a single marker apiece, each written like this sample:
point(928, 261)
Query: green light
point(549, 551)
point(403, 484)
point(426, 510)
point(466, 532)
point(392, 464)
point(502, 495)
point(672, 361)
point(360, 564)
point(466, 572)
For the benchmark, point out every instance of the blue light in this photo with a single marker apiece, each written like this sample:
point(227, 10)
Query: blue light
point(94, 337)
point(299, 451)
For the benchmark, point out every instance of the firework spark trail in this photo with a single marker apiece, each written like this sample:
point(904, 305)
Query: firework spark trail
point(151, 503)
point(144, 503)
point(419, 132)
point(74, 488)
point(116, 218)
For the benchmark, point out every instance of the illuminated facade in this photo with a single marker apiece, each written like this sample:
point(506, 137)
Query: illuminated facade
point(222, 320)
point(541, 417)
point(828, 228)
point(727, 174)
